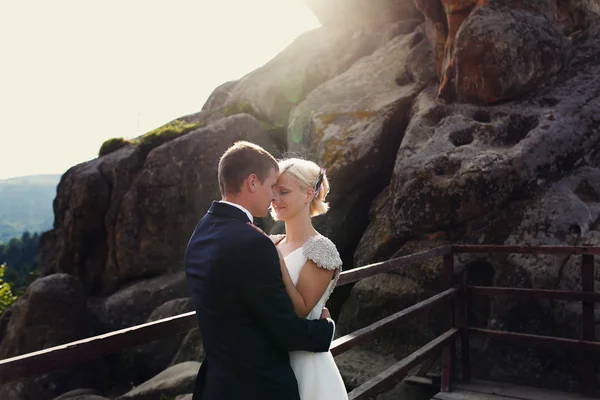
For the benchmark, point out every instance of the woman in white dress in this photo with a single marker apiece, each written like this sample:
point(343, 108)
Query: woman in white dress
point(311, 266)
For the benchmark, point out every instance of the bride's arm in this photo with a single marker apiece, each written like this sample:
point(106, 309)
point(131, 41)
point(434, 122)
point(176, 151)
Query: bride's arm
point(312, 283)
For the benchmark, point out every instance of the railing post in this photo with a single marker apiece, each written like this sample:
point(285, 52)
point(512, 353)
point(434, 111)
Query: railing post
point(448, 352)
point(463, 314)
point(588, 373)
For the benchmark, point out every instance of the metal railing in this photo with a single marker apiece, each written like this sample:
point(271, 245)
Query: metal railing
point(455, 298)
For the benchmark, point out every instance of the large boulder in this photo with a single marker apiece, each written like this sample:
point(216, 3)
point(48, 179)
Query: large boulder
point(496, 50)
point(358, 366)
point(575, 15)
point(270, 92)
point(176, 380)
point(81, 394)
point(360, 12)
point(501, 54)
point(568, 213)
point(191, 348)
point(52, 312)
point(54, 307)
point(377, 242)
point(77, 244)
point(88, 202)
point(525, 172)
point(458, 163)
point(382, 295)
point(140, 363)
point(353, 124)
point(134, 303)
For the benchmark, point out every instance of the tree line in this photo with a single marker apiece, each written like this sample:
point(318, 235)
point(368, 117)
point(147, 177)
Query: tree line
point(21, 256)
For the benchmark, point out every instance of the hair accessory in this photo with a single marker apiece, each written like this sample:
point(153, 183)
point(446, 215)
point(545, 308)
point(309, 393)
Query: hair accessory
point(319, 183)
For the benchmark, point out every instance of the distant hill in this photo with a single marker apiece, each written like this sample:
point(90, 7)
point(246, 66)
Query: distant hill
point(26, 205)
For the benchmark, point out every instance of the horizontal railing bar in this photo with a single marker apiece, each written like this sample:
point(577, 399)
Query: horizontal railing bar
point(536, 340)
point(535, 293)
point(367, 271)
point(98, 346)
point(70, 354)
point(477, 248)
point(360, 336)
point(397, 372)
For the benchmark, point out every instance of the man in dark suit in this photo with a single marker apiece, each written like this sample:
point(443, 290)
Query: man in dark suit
point(246, 319)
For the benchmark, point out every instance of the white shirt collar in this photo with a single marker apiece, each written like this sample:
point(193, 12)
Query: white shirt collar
point(240, 207)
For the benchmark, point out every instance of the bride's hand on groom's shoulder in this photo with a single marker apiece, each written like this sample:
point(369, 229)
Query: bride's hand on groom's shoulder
point(325, 313)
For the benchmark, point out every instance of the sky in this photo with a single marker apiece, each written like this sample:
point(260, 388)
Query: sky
point(74, 73)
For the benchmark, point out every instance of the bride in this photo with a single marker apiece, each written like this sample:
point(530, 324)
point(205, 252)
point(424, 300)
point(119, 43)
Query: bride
point(310, 266)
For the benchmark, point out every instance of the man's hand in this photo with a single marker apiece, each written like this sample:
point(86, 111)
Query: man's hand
point(325, 313)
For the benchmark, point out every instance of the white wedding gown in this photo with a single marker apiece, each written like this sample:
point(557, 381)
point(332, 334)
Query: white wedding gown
point(317, 374)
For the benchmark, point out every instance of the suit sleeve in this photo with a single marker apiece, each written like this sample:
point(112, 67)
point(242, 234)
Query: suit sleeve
point(263, 292)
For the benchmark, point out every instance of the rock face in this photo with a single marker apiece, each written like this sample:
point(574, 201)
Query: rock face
point(191, 348)
point(353, 124)
point(51, 312)
point(81, 394)
point(472, 161)
point(54, 307)
point(177, 380)
point(479, 124)
point(523, 172)
point(567, 213)
point(502, 54)
point(140, 299)
point(382, 295)
point(482, 46)
point(142, 362)
point(272, 91)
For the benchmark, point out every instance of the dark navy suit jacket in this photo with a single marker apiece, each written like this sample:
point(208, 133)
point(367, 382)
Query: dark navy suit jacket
point(246, 319)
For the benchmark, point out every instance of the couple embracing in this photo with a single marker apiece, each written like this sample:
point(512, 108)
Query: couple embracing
point(259, 299)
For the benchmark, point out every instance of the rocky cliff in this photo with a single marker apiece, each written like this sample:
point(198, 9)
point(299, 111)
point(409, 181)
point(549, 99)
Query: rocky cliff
point(439, 121)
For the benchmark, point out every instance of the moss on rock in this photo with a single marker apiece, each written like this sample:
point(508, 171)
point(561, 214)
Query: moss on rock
point(112, 145)
point(239, 108)
point(166, 133)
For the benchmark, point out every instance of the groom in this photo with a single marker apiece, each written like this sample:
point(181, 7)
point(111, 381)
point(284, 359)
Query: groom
point(246, 319)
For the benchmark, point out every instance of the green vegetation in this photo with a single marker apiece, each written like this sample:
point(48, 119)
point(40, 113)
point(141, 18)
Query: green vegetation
point(6, 296)
point(26, 205)
point(21, 257)
point(111, 145)
point(166, 133)
point(239, 108)
point(152, 139)
point(18, 267)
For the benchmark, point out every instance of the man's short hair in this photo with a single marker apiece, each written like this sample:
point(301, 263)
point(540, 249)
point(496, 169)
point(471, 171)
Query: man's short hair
point(241, 160)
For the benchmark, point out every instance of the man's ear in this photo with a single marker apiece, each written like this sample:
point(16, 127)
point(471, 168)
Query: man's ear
point(251, 182)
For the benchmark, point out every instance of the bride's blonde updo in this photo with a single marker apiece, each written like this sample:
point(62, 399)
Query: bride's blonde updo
point(308, 175)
